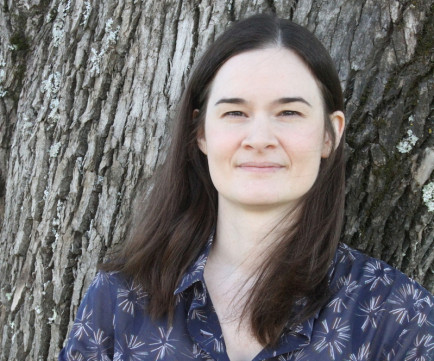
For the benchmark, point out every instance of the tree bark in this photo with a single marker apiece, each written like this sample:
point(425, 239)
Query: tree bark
point(88, 89)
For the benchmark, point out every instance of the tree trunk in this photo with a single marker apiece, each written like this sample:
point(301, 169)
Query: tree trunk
point(88, 89)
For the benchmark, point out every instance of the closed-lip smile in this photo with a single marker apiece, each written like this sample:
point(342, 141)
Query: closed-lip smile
point(260, 166)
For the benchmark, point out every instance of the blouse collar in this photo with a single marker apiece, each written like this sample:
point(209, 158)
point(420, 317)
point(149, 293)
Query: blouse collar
point(195, 274)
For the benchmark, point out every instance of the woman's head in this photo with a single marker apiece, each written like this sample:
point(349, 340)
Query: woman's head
point(264, 134)
point(255, 33)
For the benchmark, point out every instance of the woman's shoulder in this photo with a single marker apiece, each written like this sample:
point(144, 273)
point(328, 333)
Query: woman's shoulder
point(374, 312)
point(374, 277)
point(106, 283)
point(376, 291)
point(111, 310)
point(108, 279)
point(377, 307)
point(115, 292)
point(370, 273)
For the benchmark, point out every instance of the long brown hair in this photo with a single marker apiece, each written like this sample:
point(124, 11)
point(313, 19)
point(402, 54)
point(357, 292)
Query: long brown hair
point(181, 211)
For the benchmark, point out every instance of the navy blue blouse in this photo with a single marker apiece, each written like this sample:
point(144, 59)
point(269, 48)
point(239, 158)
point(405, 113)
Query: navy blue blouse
point(375, 313)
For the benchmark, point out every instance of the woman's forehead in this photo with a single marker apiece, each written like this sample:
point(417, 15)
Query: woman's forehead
point(274, 71)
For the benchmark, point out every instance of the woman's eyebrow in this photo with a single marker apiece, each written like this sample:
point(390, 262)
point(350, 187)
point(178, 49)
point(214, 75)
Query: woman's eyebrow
point(292, 100)
point(231, 101)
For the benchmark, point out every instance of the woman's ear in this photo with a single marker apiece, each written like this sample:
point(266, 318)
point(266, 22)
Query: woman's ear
point(337, 119)
point(201, 141)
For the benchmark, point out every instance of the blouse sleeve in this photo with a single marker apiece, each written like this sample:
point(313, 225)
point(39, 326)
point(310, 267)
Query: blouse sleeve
point(405, 323)
point(91, 336)
point(416, 338)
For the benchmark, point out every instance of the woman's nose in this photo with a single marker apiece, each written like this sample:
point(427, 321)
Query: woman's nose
point(260, 134)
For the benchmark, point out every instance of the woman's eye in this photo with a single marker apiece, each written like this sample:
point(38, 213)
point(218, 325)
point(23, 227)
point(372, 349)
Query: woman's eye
point(289, 113)
point(234, 113)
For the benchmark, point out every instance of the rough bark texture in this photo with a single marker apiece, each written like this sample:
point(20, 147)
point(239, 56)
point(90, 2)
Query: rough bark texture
point(87, 93)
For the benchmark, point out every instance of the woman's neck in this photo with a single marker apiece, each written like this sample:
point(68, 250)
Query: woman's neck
point(245, 235)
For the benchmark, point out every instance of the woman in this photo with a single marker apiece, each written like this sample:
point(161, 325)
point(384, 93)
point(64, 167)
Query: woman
point(237, 256)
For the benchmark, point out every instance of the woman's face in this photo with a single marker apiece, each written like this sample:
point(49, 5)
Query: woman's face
point(264, 133)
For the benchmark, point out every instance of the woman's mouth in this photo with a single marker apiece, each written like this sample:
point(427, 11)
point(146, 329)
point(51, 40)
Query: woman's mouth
point(260, 167)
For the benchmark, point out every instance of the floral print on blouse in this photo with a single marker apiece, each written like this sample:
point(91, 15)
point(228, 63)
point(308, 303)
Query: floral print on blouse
point(375, 313)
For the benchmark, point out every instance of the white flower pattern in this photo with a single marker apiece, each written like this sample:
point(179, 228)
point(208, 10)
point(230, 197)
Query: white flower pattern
point(371, 311)
point(162, 345)
point(131, 350)
point(408, 298)
point(362, 354)
point(333, 337)
point(98, 347)
point(377, 273)
point(131, 297)
point(82, 326)
point(423, 347)
point(347, 287)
